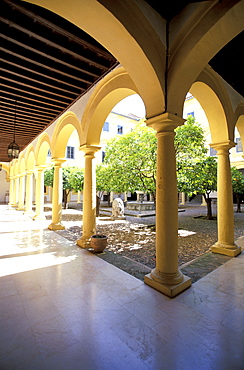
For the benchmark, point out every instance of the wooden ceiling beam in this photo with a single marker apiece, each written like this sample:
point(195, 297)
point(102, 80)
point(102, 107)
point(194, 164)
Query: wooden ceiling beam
point(34, 94)
point(60, 30)
point(22, 111)
point(51, 69)
point(52, 44)
point(45, 76)
point(29, 107)
point(29, 101)
point(22, 118)
point(54, 87)
point(47, 56)
point(46, 92)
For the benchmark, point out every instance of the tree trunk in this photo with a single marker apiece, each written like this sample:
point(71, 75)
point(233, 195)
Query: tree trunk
point(209, 206)
point(238, 199)
point(98, 201)
point(65, 198)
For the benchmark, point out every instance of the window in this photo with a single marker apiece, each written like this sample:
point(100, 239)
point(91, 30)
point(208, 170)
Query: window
point(70, 152)
point(120, 130)
point(190, 114)
point(239, 147)
point(213, 152)
point(106, 126)
point(103, 156)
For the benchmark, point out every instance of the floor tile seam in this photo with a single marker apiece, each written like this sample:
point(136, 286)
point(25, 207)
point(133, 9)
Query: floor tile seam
point(112, 328)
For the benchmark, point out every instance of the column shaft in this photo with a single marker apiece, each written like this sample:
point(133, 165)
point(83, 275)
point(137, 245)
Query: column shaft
point(225, 244)
point(21, 205)
point(11, 191)
point(39, 215)
point(29, 193)
point(57, 196)
point(166, 277)
point(89, 197)
point(16, 191)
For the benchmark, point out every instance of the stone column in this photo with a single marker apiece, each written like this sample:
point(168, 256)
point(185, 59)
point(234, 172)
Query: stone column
point(225, 244)
point(89, 196)
point(16, 191)
point(183, 198)
point(11, 191)
point(57, 195)
point(166, 277)
point(21, 203)
point(204, 203)
point(111, 198)
point(29, 193)
point(79, 196)
point(39, 215)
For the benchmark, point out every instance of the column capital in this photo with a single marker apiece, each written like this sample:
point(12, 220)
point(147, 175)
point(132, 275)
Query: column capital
point(89, 149)
point(41, 167)
point(165, 122)
point(223, 146)
point(58, 161)
point(29, 172)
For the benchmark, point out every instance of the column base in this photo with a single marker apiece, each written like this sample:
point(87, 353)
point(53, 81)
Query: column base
point(20, 208)
point(226, 249)
point(53, 226)
point(84, 242)
point(170, 290)
point(29, 213)
point(39, 218)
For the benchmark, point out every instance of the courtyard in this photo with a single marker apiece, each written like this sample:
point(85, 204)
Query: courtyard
point(63, 307)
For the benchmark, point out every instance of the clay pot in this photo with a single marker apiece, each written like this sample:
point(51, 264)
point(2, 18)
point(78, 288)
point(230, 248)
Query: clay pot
point(98, 242)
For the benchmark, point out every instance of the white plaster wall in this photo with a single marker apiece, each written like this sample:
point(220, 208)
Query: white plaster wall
point(4, 186)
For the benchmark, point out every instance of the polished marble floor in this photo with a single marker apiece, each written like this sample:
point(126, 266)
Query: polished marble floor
point(61, 307)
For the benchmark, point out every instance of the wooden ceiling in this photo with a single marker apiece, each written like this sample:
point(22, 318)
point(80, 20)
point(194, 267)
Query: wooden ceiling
point(46, 63)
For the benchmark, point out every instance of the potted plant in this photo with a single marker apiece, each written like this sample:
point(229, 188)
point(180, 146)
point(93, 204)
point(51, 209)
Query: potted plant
point(98, 242)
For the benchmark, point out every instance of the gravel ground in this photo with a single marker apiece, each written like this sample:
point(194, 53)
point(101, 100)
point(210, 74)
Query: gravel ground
point(135, 238)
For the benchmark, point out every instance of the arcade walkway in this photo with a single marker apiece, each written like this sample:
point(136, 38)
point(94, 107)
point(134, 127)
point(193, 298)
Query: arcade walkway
point(61, 307)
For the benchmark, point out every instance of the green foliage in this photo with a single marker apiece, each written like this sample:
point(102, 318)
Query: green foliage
point(48, 176)
point(237, 186)
point(76, 179)
point(199, 177)
point(189, 143)
point(237, 181)
point(73, 178)
point(130, 161)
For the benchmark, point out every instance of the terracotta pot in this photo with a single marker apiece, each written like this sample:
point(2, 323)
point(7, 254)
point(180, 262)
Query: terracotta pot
point(98, 242)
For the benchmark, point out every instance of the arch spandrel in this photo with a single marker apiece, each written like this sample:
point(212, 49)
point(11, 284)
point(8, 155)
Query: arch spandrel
point(30, 158)
point(108, 92)
point(239, 120)
point(65, 125)
point(21, 163)
point(198, 44)
point(219, 128)
point(141, 51)
point(42, 147)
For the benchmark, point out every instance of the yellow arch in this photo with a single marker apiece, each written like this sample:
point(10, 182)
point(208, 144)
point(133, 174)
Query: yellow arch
point(203, 30)
point(108, 92)
point(134, 34)
point(6, 168)
point(66, 124)
point(42, 147)
point(30, 158)
point(239, 120)
point(21, 163)
point(220, 130)
point(15, 163)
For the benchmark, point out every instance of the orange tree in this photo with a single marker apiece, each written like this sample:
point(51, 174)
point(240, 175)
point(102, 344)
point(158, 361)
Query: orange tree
point(237, 186)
